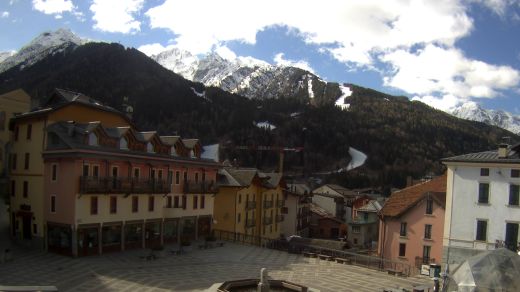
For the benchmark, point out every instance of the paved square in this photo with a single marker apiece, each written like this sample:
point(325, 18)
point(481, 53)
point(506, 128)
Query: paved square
point(197, 270)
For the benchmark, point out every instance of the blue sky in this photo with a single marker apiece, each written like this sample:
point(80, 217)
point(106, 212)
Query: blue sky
point(444, 53)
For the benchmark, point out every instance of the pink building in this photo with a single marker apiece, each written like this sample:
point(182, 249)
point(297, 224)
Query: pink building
point(411, 224)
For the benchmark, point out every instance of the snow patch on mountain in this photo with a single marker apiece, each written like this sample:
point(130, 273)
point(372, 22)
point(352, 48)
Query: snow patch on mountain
point(265, 125)
point(5, 55)
point(341, 100)
point(309, 86)
point(474, 112)
point(47, 43)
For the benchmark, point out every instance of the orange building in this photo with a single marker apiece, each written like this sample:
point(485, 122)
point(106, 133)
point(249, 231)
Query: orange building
point(411, 224)
point(96, 184)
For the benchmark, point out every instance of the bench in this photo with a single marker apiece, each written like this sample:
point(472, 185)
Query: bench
point(325, 257)
point(342, 261)
point(394, 272)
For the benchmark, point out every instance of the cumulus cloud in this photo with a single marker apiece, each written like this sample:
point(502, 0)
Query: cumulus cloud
point(4, 14)
point(116, 15)
point(225, 53)
point(441, 70)
point(53, 6)
point(445, 103)
point(279, 60)
point(153, 49)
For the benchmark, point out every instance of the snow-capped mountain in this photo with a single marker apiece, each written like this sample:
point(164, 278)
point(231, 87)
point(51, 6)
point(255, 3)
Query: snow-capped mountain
point(248, 76)
point(5, 55)
point(45, 44)
point(474, 112)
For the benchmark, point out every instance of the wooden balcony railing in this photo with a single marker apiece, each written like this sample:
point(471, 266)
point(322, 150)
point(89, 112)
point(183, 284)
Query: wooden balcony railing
point(268, 220)
point(268, 204)
point(122, 185)
point(200, 187)
point(250, 205)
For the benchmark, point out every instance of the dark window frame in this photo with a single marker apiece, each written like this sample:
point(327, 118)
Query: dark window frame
point(135, 204)
point(25, 189)
point(429, 206)
point(402, 249)
point(481, 234)
point(514, 195)
point(202, 201)
point(29, 132)
point(26, 161)
point(403, 230)
point(484, 172)
point(113, 205)
point(483, 193)
point(428, 231)
point(151, 203)
point(94, 205)
point(515, 173)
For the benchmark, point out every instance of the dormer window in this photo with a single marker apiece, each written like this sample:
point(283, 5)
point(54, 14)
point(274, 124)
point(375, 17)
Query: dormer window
point(123, 143)
point(93, 139)
point(149, 148)
point(173, 150)
point(192, 154)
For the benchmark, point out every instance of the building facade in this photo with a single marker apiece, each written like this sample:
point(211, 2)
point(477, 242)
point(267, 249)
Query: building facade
point(411, 224)
point(296, 211)
point(364, 227)
point(249, 203)
point(482, 204)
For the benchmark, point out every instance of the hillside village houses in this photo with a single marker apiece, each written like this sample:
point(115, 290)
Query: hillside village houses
point(482, 203)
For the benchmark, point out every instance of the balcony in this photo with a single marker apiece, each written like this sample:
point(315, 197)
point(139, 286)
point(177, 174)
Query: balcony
point(268, 204)
point(305, 212)
point(280, 203)
point(122, 185)
point(268, 220)
point(200, 187)
point(250, 205)
point(250, 223)
point(279, 218)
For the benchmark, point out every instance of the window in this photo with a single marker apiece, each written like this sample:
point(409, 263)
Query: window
point(484, 172)
point(514, 191)
point(356, 229)
point(365, 216)
point(170, 176)
point(2, 120)
point(428, 231)
point(13, 161)
point(54, 172)
point(196, 177)
point(92, 139)
point(203, 177)
point(13, 188)
point(184, 202)
point(185, 176)
point(115, 171)
point(515, 172)
point(152, 173)
point(169, 202)
point(25, 189)
point(35, 228)
point(202, 201)
point(135, 204)
point(137, 172)
point(86, 169)
point(53, 203)
point(26, 162)
point(123, 143)
point(239, 198)
point(195, 201)
point(150, 203)
point(481, 230)
point(483, 193)
point(403, 229)
point(238, 217)
point(29, 131)
point(177, 177)
point(429, 206)
point(16, 132)
point(402, 249)
point(93, 205)
point(176, 202)
point(426, 254)
point(149, 147)
point(113, 205)
point(159, 174)
point(95, 171)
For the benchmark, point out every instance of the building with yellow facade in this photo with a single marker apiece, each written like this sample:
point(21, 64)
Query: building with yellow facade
point(249, 204)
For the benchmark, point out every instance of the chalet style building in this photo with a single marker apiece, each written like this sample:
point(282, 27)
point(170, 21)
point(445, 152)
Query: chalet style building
point(297, 215)
point(92, 183)
point(249, 204)
point(412, 222)
point(482, 203)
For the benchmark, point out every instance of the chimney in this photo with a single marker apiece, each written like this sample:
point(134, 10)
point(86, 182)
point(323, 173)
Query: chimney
point(503, 148)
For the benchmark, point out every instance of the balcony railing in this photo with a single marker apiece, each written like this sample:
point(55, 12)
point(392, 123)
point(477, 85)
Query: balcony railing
point(279, 203)
point(279, 218)
point(305, 212)
point(250, 223)
point(268, 204)
point(250, 205)
point(268, 220)
point(200, 187)
point(122, 185)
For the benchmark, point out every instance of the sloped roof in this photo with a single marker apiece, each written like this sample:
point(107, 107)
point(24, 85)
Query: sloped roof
point(170, 140)
point(244, 176)
point(298, 188)
point(273, 179)
point(190, 143)
point(400, 201)
point(322, 212)
point(371, 206)
point(344, 192)
point(513, 156)
point(145, 136)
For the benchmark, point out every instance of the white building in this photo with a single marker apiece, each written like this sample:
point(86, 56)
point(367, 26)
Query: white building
point(297, 210)
point(482, 202)
point(335, 199)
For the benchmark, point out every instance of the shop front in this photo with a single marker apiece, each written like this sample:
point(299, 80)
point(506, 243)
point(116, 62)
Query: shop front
point(204, 226)
point(88, 239)
point(111, 236)
point(134, 234)
point(59, 238)
point(152, 234)
point(171, 231)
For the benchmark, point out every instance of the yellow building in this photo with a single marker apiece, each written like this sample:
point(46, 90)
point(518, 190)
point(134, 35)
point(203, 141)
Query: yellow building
point(249, 204)
point(26, 167)
point(11, 103)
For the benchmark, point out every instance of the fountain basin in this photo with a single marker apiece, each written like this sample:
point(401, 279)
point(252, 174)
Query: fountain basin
point(250, 285)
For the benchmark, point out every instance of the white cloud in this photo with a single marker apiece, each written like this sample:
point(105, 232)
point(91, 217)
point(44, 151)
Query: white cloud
point(53, 6)
point(445, 103)
point(116, 15)
point(279, 60)
point(447, 71)
point(153, 49)
point(4, 14)
point(226, 53)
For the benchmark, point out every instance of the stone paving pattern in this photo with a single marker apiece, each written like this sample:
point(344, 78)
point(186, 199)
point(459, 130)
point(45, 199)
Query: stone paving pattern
point(196, 270)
